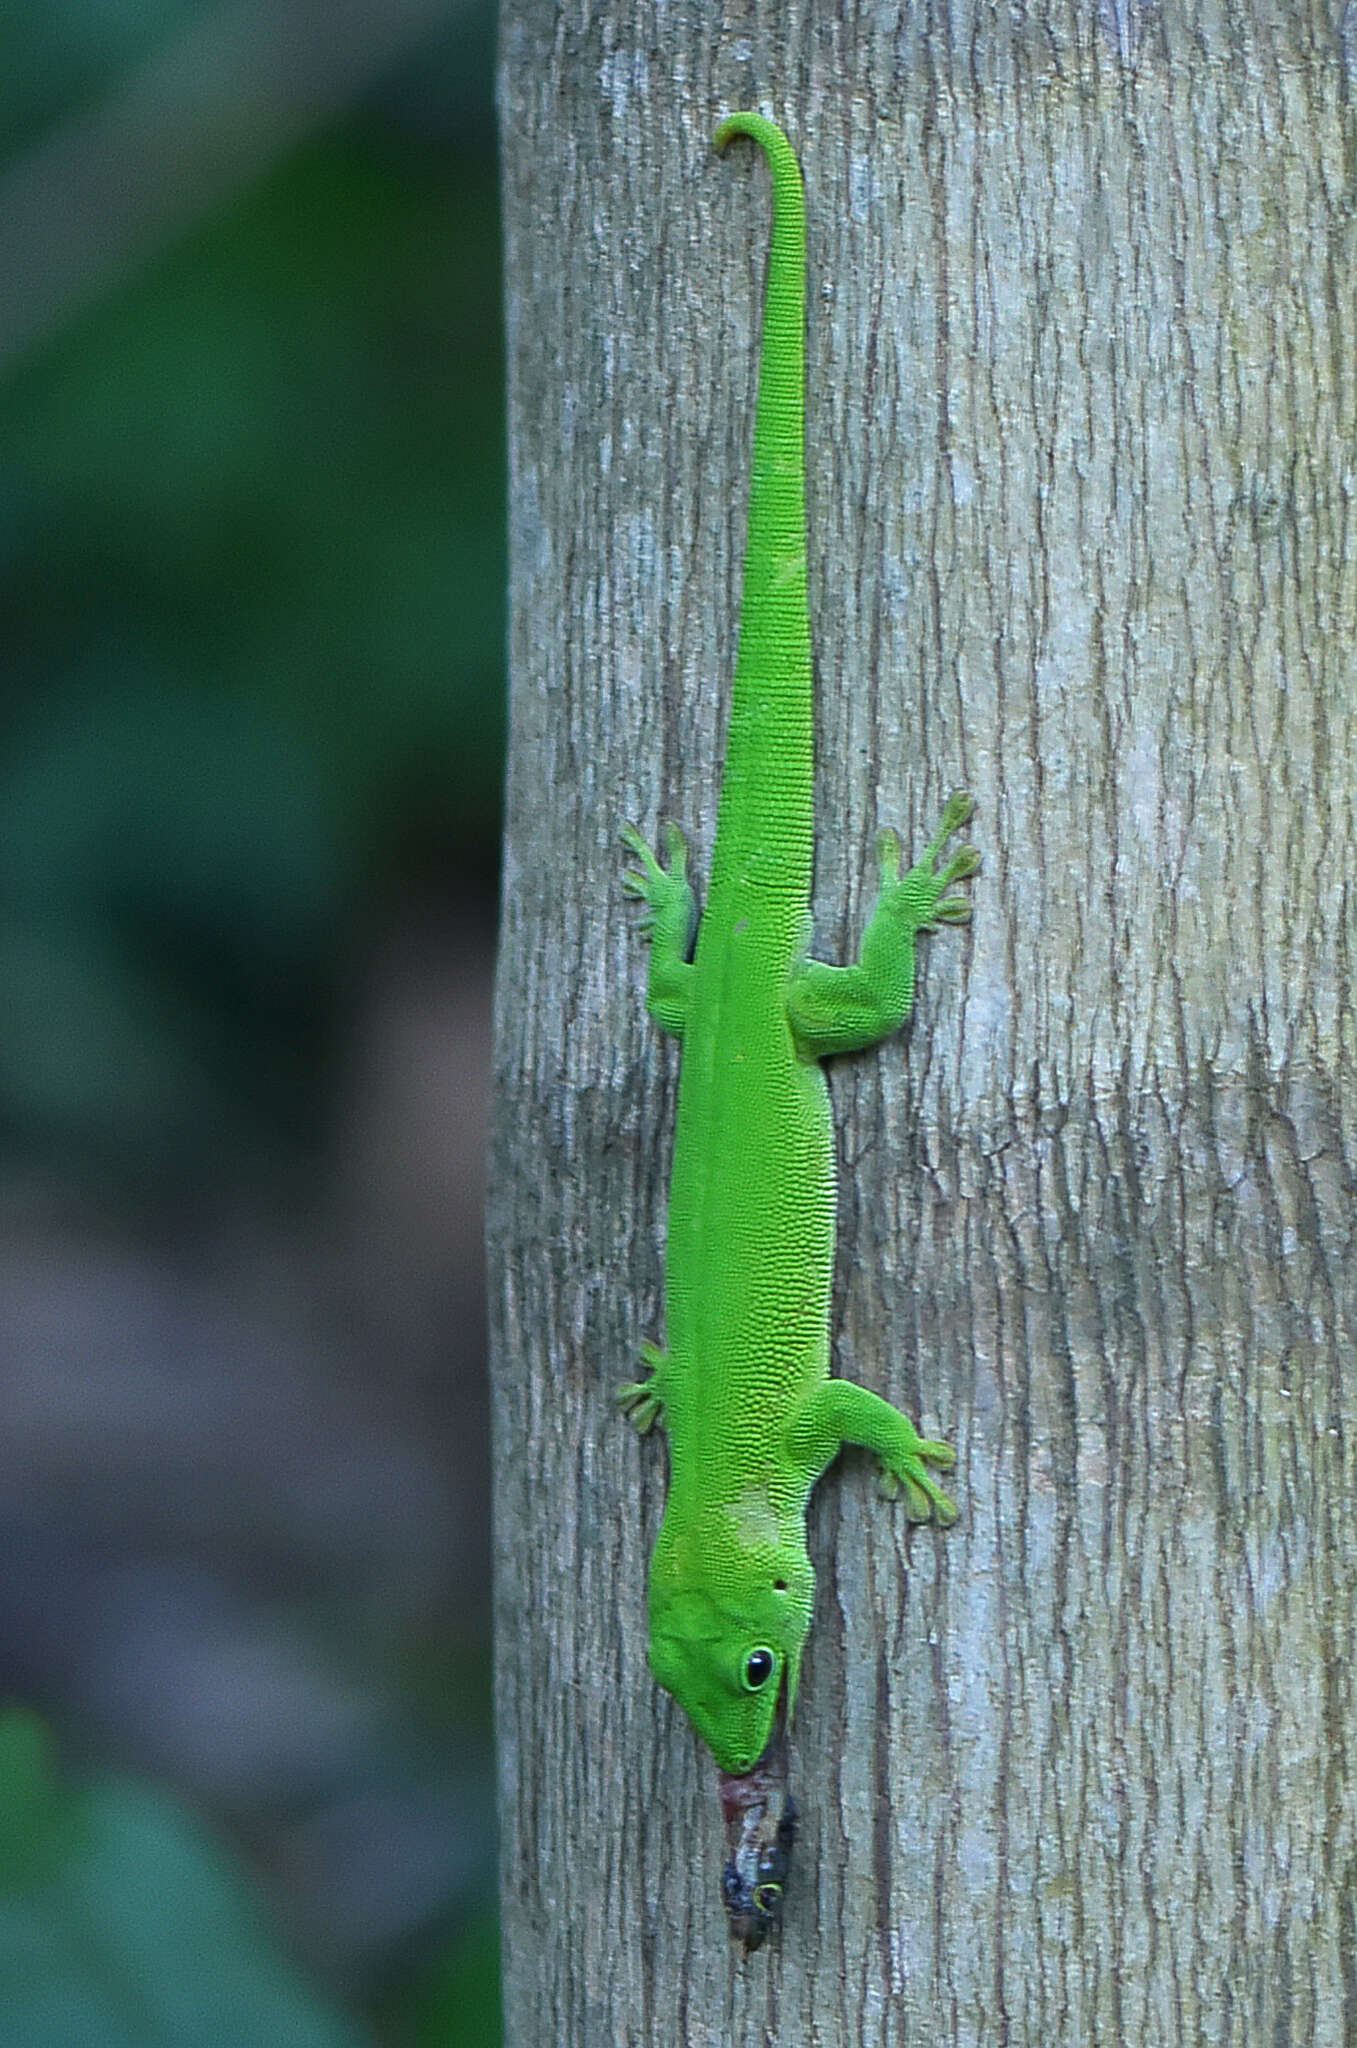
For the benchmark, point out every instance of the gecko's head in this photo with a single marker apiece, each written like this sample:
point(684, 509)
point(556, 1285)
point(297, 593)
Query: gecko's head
point(729, 1660)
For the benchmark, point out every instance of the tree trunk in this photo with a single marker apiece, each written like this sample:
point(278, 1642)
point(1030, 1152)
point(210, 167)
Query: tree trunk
point(1082, 391)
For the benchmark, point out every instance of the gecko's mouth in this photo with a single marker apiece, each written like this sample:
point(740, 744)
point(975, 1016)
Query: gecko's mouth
point(760, 1820)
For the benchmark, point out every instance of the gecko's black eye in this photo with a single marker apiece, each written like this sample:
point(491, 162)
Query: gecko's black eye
point(758, 1669)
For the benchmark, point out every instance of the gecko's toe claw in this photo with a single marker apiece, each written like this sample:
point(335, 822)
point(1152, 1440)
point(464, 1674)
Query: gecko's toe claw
point(951, 910)
point(639, 1402)
point(901, 1486)
point(888, 855)
point(676, 850)
point(964, 863)
point(941, 1455)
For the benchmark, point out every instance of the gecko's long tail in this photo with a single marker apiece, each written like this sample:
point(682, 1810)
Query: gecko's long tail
point(764, 827)
point(775, 548)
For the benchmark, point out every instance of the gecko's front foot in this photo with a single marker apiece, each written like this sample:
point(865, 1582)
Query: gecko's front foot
point(664, 889)
point(919, 898)
point(669, 922)
point(907, 1473)
point(642, 1401)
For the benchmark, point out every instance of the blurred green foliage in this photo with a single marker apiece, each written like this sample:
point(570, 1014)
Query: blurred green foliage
point(56, 59)
point(251, 689)
point(454, 2002)
point(251, 567)
point(122, 1925)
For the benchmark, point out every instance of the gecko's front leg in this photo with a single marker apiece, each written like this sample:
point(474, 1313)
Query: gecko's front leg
point(670, 923)
point(839, 1412)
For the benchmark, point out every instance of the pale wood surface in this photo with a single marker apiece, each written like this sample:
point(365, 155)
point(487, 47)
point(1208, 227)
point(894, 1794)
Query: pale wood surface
point(1082, 459)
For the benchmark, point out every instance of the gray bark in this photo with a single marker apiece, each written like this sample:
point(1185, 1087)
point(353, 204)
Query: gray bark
point(1082, 459)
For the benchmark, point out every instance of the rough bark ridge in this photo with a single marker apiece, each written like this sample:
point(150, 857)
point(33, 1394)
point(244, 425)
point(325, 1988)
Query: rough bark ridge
point(1083, 454)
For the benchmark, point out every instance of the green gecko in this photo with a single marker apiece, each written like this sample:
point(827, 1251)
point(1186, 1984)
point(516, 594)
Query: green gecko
point(743, 1386)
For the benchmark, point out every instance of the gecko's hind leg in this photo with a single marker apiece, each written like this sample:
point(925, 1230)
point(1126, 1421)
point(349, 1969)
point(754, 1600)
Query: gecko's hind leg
point(843, 1009)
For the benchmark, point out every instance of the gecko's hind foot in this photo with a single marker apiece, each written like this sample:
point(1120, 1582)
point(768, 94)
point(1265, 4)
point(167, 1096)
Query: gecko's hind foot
point(920, 896)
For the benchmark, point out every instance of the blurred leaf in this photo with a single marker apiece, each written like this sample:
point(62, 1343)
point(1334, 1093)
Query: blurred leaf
point(170, 925)
point(252, 567)
point(52, 60)
point(456, 2003)
point(33, 1811)
point(182, 811)
point(276, 463)
point(122, 1925)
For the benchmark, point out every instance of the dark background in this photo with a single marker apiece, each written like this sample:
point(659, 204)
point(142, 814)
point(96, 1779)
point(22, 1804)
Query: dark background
point(251, 594)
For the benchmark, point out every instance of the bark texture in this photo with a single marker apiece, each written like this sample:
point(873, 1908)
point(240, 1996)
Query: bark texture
point(1082, 453)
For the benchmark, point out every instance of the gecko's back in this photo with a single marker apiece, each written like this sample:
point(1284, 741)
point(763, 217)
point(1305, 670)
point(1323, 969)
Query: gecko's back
point(743, 1386)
